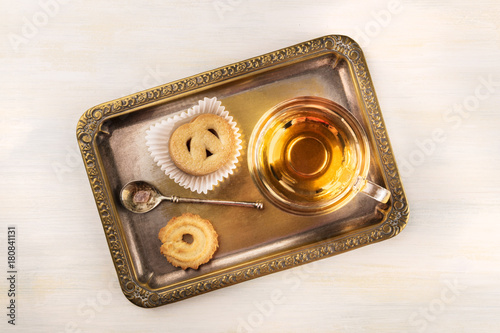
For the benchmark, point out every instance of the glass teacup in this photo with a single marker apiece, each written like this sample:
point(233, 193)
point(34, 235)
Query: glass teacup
point(308, 155)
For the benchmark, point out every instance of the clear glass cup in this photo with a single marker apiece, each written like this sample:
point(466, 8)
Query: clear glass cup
point(308, 155)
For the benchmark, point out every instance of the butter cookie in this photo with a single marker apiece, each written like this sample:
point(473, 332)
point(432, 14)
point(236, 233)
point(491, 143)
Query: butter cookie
point(203, 145)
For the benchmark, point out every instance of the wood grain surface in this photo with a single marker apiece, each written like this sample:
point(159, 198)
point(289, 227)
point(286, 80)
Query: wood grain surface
point(436, 69)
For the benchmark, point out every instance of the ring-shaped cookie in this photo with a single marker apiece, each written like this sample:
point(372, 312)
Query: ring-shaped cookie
point(191, 253)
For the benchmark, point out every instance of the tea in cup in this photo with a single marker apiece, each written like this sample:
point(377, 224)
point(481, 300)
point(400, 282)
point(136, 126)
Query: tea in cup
point(309, 155)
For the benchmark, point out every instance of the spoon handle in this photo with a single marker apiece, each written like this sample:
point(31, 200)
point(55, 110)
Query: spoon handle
point(175, 199)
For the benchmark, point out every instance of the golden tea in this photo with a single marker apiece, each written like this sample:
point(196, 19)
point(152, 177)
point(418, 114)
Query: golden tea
point(307, 157)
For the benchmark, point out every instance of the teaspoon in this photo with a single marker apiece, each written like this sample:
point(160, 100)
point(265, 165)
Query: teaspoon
point(141, 197)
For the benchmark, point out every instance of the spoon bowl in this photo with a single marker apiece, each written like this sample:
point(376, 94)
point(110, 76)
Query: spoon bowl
point(140, 197)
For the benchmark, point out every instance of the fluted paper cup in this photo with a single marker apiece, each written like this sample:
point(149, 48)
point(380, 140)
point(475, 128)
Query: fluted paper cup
point(158, 137)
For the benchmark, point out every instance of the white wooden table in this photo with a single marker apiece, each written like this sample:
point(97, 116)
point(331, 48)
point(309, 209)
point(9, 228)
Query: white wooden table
point(436, 69)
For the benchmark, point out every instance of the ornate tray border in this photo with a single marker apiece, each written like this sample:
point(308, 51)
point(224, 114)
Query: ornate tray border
point(89, 125)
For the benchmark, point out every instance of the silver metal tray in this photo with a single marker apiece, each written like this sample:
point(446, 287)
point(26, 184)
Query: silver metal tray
point(253, 243)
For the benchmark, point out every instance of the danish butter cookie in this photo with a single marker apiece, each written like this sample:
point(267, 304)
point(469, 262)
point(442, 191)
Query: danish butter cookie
point(202, 146)
point(188, 241)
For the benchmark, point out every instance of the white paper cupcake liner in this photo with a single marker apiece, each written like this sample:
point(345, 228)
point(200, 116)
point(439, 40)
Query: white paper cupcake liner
point(158, 136)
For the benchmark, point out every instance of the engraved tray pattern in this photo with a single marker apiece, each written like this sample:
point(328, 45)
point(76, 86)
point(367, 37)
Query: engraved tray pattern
point(90, 124)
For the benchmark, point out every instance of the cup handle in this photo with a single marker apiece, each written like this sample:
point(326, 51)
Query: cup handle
point(373, 190)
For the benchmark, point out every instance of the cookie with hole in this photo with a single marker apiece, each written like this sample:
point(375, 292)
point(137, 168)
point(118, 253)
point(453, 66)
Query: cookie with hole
point(188, 241)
